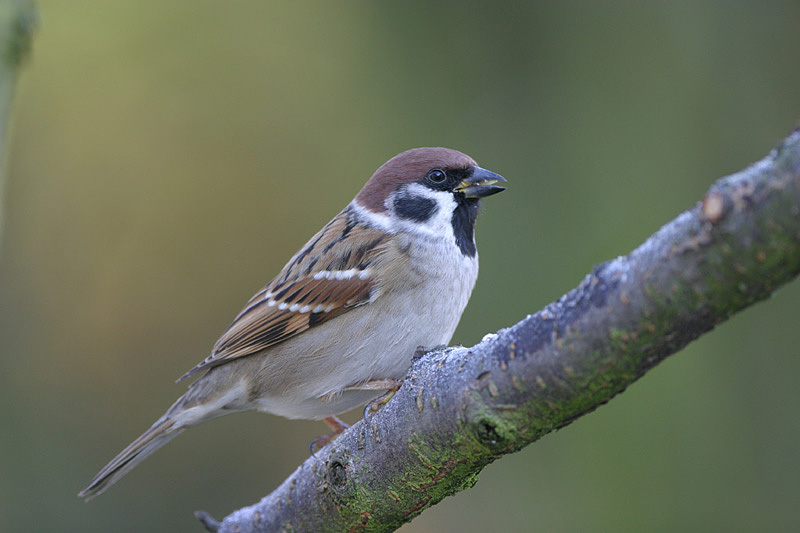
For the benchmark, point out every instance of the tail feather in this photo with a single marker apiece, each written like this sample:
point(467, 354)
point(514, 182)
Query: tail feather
point(206, 398)
point(160, 433)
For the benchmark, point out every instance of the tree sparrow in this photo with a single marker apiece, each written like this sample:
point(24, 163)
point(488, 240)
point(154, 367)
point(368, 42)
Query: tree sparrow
point(341, 322)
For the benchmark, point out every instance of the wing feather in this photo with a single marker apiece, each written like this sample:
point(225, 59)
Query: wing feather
point(308, 291)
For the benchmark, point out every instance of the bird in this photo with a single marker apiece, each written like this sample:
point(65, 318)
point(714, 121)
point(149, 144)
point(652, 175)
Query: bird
point(338, 327)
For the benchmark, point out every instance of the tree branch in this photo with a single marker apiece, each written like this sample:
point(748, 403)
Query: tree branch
point(462, 408)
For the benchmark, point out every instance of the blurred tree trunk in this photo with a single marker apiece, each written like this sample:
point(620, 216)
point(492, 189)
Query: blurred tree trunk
point(17, 21)
point(462, 408)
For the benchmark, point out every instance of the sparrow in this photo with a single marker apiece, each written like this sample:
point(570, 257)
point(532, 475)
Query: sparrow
point(339, 325)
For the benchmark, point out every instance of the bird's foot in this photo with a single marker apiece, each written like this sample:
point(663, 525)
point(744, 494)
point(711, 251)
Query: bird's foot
point(389, 385)
point(336, 425)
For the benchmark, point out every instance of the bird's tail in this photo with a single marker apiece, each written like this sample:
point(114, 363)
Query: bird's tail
point(160, 433)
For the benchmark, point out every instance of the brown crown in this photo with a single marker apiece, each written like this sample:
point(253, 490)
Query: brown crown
point(407, 167)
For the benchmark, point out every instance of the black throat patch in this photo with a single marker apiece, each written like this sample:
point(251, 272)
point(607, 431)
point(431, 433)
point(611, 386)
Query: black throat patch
point(464, 217)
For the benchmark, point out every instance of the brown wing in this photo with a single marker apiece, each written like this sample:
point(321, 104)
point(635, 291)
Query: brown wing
point(332, 274)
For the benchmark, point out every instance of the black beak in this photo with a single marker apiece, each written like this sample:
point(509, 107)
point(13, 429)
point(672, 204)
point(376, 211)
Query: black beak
point(480, 184)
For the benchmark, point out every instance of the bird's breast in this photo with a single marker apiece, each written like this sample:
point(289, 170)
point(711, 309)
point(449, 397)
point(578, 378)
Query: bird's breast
point(304, 376)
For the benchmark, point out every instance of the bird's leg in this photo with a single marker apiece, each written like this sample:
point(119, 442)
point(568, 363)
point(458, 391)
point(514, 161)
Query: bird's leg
point(336, 425)
point(389, 385)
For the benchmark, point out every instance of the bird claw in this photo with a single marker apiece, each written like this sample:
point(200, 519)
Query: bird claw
point(336, 425)
point(318, 443)
point(373, 406)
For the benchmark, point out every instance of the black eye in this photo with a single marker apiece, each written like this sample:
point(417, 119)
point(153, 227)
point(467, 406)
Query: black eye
point(436, 175)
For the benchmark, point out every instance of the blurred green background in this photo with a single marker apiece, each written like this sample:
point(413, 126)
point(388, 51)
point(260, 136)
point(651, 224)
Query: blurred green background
point(167, 158)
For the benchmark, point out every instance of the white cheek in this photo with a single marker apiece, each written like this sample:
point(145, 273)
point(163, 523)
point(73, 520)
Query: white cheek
point(377, 220)
point(440, 225)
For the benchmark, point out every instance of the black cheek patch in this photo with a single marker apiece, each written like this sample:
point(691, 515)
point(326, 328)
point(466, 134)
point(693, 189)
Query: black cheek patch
point(416, 208)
